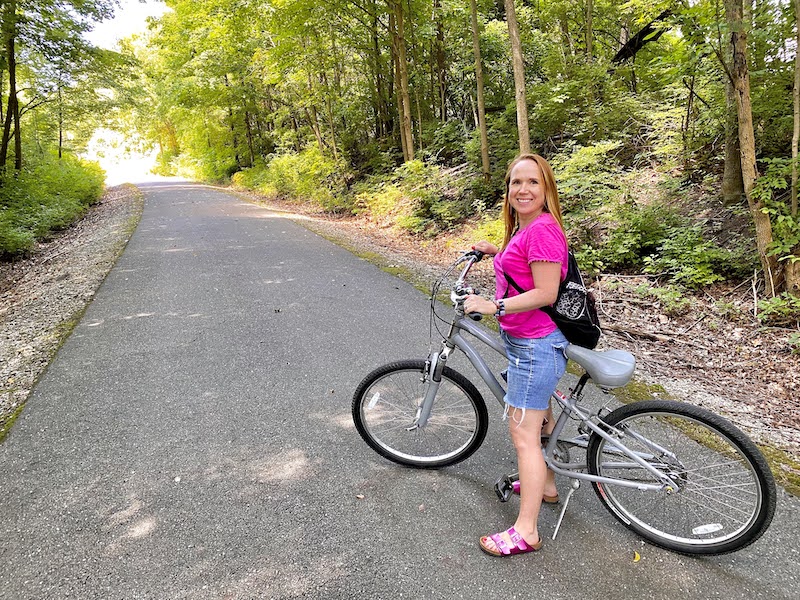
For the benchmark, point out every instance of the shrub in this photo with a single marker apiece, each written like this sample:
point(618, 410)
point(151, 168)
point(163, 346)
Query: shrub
point(780, 311)
point(672, 300)
point(45, 197)
point(587, 175)
point(769, 188)
point(691, 260)
point(638, 232)
point(448, 143)
point(308, 176)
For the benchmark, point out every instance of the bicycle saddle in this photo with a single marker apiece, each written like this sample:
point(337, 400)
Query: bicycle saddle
point(609, 369)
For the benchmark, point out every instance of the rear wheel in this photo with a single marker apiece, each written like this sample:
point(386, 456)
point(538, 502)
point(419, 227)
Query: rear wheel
point(725, 496)
point(386, 406)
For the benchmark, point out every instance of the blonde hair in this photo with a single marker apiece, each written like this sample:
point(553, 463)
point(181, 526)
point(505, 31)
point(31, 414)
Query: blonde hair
point(551, 204)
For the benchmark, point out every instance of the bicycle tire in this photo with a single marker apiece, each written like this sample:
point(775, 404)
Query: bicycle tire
point(726, 497)
point(385, 406)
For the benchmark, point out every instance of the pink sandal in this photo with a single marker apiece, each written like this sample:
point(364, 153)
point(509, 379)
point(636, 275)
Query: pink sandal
point(519, 545)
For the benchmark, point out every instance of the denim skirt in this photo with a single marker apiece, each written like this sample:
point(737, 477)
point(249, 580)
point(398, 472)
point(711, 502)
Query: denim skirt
point(534, 367)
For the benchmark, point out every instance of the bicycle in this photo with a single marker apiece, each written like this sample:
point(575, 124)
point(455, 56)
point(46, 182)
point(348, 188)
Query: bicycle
point(679, 476)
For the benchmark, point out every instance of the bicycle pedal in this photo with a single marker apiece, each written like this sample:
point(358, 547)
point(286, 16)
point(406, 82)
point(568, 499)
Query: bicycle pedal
point(504, 488)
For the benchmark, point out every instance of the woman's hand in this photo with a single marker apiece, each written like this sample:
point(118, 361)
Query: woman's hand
point(486, 247)
point(479, 304)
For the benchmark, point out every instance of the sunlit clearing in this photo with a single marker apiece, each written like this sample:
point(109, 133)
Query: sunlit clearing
point(122, 160)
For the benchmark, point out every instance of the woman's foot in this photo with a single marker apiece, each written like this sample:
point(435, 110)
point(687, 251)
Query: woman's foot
point(508, 543)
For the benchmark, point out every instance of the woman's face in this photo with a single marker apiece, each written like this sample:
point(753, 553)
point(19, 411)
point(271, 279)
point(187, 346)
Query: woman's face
point(526, 190)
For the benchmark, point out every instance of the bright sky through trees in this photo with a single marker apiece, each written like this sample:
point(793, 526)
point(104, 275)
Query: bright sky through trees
point(129, 18)
point(120, 161)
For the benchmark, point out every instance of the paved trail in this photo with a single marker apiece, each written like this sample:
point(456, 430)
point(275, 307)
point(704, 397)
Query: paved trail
point(193, 439)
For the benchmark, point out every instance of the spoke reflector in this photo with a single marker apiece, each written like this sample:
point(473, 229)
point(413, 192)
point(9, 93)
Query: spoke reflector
point(374, 400)
point(710, 528)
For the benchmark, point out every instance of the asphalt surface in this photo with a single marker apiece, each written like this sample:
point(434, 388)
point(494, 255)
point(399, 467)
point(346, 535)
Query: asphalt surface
point(193, 439)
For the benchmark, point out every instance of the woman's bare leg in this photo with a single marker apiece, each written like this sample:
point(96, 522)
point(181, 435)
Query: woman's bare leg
point(550, 488)
point(526, 435)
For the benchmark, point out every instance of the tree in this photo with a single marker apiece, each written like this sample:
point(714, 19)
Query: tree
point(397, 30)
point(476, 47)
point(739, 75)
point(793, 266)
point(519, 78)
point(47, 34)
point(796, 107)
point(9, 30)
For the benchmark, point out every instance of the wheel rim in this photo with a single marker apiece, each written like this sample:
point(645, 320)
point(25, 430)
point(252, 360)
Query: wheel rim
point(389, 409)
point(719, 495)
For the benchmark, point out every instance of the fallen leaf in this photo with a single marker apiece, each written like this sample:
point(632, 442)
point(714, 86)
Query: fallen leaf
point(360, 496)
point(636, 557)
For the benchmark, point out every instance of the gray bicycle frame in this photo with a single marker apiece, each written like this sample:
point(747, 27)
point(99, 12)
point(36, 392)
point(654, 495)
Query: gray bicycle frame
point(569, 406)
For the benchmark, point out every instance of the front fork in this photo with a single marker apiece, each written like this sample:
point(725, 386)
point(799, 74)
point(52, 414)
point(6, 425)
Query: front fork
point(433, 377)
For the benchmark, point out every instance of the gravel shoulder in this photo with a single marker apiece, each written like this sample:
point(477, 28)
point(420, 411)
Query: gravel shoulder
point(730, 366)
point(44, 295)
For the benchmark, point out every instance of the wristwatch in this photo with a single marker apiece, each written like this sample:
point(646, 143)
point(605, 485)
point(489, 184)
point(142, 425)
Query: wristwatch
point(501, 307)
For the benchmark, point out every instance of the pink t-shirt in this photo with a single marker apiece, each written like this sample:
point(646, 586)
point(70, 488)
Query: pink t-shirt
point(542, 240)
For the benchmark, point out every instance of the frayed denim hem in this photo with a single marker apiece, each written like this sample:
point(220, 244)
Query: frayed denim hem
point(507, 416)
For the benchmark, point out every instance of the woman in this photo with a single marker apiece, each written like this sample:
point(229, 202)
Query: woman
point(534, 256)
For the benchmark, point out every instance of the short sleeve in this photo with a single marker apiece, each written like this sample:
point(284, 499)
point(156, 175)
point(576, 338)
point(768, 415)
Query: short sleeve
point(546, 242)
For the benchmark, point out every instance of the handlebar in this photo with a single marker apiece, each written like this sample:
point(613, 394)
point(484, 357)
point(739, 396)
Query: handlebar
point(460, 290)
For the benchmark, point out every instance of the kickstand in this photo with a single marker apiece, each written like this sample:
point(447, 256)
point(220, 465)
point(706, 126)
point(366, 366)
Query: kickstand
point(574, 486)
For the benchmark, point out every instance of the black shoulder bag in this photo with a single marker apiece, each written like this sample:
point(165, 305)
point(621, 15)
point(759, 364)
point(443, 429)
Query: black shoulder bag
point(574, 311)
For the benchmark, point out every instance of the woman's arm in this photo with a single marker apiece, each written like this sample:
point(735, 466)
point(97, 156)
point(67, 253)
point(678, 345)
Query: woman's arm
point(546, 278)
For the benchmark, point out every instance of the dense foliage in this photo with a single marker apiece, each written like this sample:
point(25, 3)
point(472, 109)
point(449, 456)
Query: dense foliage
point(56, 89)
point(370, 107)
point(44, 197)
point(304, 100)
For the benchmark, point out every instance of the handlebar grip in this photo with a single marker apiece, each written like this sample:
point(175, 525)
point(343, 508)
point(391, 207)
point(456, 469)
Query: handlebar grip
point(477, 254)
point(475, 316)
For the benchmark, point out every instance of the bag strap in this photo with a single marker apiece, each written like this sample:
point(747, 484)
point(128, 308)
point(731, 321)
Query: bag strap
point(571, 262)
point(513, 283)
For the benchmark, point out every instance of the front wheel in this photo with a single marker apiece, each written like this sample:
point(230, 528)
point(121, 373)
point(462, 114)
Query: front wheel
point(386, 406)
point(725, 496)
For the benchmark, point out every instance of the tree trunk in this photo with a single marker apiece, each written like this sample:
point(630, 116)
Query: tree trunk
point(441, 65)
point(563, 21)
point(249, 133)
point(232, 125)
point(382, 117)
point(476, 48)
point(741, 83)
point(589, 30)
point(793, 268)
point(404, 98)
point(331, 123)
point(313, 120)
point(398, 99)
point(796, 102)
point(519, 78)
point(60, 124)
point(732, 184)
point(687, 123)
point(12, 113)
